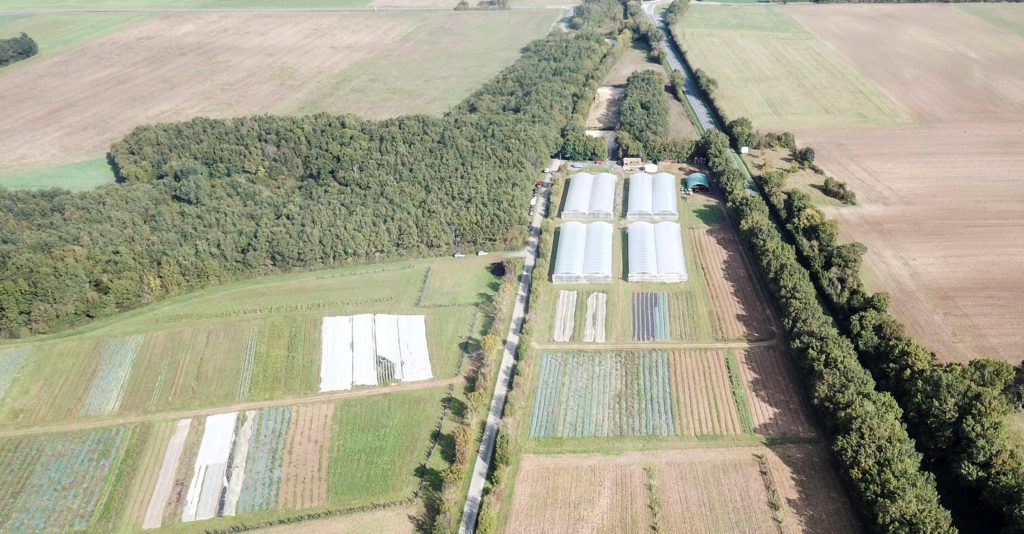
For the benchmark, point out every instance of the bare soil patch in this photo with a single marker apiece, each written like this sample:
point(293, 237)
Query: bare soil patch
point(71, 106)
point(776, 402)
point(700, 490)
point(941, 201)
point(604, 112)
point(305, 468)
point(738, 307)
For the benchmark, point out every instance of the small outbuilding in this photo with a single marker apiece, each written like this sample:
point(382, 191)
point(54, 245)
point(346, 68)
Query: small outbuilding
point(697, 182)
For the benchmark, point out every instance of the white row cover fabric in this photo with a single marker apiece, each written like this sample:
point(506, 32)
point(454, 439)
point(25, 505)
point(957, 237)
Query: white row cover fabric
point(208, 477)
point(351, 346)
point(656, 252)
point(652, 197)
point(584, 253)
point(336, 354)
point(590, 196)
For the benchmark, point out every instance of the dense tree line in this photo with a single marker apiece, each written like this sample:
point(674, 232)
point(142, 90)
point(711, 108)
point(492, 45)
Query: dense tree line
point(869, 440)
point(204, 201)
point(643, 121)
point(954, 411)
point(17, 49)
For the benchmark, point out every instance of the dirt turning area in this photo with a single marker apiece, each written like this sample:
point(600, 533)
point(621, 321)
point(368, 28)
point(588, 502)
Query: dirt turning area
point(940, 201)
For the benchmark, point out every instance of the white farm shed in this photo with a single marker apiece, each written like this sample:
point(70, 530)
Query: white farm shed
point(590, 196)
point(652, 197)
point(584, 254)
point(656, 252)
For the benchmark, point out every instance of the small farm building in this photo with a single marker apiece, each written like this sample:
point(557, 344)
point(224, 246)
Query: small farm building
point(590, 196)
point(652, 197)
point(697, 182)
point(632, 164)
point(656, 252)
point(584, 253)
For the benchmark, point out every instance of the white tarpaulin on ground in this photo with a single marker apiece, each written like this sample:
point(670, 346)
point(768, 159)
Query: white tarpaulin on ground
point(236, 475)
point(412, 338)
point(385, 331)
point(351, 345)
point(336, 354)
point(204, 492)
point(165, 479)
point(364, 351)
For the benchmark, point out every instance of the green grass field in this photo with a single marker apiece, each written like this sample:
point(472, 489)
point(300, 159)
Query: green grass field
point(195, 348)
point(1008, 16)
point(55, 32)
point(773, 71)
point(80, 176)
point(378, 444)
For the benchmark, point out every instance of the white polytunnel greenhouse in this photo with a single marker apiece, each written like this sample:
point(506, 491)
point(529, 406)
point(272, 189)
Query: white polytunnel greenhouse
point(652, 197)
point(656, 252)
point(584, 254)
point(590, 196)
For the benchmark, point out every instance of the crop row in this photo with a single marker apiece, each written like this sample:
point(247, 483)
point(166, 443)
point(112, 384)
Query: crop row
point(586, 395)
point(52, 483)
point(107, 389)
point(263, 464)
point(650, 316)
point(11, 361)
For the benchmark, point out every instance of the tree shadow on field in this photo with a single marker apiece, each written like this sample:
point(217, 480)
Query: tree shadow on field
point(446, 447)
point(709, 214)
point(457, 408)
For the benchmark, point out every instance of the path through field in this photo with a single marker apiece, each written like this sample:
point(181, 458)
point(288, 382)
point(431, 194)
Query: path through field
point(290, 401)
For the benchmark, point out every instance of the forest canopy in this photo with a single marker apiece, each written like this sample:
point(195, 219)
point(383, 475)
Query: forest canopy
point(206, 201)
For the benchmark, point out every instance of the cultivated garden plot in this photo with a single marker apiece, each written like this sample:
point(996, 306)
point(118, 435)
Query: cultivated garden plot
point(605, 394)
point(108, 385)
point(304, 470)
point(709, 491)
point(373, 349)
point(703, 396)
point(11, 361)
point(650, 316)
point(565, 315)
point(596, 318)
point(776, 402)
point(259, 488)
point(53, 482)
point(738, 308)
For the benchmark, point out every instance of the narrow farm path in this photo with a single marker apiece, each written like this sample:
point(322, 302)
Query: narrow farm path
point(255, 405)
point(483, 459)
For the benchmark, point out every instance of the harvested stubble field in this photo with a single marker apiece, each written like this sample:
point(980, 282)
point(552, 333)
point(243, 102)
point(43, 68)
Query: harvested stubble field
point(939, 202)
point(701, 490)
point(739, 308)
point(777, 404)
point(69, 106)
point(254, 340)
point(303, 475)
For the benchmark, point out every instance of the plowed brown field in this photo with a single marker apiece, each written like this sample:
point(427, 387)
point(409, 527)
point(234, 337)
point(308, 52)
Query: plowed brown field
point(702, 395)
point(700, 491)
point(305, 468)
point(940, 201)
point(738, 308)
point(776, 402)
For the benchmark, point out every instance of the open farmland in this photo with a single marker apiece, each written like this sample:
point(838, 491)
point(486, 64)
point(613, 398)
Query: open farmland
point(69, 106)
point(949, 252)
point(773, 71)
point(250, 341)
point(707, 491)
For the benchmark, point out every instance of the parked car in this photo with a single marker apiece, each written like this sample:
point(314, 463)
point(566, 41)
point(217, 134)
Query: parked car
point(458, 255)
point(481, 253)
point(577, 165)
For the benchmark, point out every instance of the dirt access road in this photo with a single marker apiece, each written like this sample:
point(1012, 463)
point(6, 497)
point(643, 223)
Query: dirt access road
point(292, 401)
